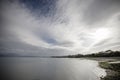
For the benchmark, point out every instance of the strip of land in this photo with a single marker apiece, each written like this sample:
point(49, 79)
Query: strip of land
point(112, 69)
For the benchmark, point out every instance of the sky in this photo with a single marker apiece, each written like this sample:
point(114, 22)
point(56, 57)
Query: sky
point(59, 27)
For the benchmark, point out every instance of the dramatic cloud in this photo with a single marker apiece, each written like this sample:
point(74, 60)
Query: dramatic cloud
point(57, 27)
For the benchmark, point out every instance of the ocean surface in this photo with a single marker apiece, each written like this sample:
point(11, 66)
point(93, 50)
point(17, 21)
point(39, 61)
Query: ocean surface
point(35, 68)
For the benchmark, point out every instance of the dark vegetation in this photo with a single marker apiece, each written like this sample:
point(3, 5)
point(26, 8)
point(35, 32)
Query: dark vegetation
point(108, 53)
point(113, 70)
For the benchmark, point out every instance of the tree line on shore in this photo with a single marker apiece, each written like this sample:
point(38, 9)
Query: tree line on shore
point(108, 53)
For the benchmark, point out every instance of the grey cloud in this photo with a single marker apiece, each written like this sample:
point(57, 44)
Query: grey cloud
point(100, 10)
point(21, 49)
point(103, 42)
point(66, 44)
point(113, 46)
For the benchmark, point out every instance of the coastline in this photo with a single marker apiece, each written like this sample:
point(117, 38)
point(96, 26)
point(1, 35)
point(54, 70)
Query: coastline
point(112, 70)
point(111, 65)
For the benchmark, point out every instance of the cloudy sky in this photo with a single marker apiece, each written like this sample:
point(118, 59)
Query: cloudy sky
point(58, 27)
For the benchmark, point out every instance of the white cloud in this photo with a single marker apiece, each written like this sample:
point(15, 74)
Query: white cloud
point(66, 30)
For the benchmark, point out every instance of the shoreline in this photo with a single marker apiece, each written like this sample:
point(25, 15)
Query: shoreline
point(112, 70)
point(111, 65)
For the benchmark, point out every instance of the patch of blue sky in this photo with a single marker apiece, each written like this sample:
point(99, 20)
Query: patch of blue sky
point(41, 7)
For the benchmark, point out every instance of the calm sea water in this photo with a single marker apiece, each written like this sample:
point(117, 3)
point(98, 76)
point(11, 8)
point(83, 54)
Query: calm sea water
point(25, 68)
